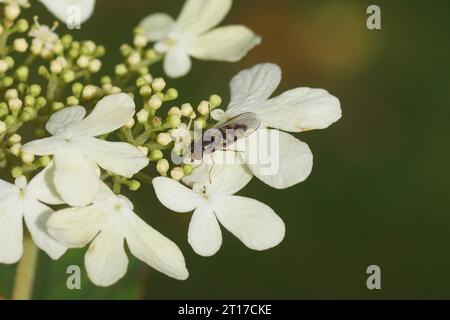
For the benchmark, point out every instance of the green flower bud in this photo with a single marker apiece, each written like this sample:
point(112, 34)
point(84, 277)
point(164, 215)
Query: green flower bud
point(40, 133)
point(126, 50)
point(164, 139)
point(68, 76)
point(67, 40)
point(171, 94)
point(10, 62)
point(145, 91)
point(134, 185)
point(40, 102)
point(215, 101)
point(100, 51)
point(35, 90)
point(105, 80)
point(158, 84)
point(187, 169)
point(156, 155)
point(4, 110)
point(44, 161)
point(22, 26)
point(7, 82)
point(10, 121)
point(173, 121)
point(77, 89)
point(56, 106)
point(17, 172)
point(22, 74)
point(121, 70)
point(151, 55)
point(72, 101)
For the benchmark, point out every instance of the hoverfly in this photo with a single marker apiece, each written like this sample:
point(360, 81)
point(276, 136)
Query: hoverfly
point(223, 135)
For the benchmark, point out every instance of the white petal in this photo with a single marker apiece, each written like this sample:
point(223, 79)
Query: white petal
point(6, 190)
point(252, 87)
point(230, 43)
point(106, 261)
point(43, 188)
point(287, 162)
point(251, 221)
point(62, 9)
point(174, 196)
point(220, 178)
point(76, 227)
point(198, 16)
point(299, 110)
point(75, 178)
point(65, 118)
point(177, 62)
point(110, 114)
point(118, 157)
point(11, 232)
point(36, 216)
point(153, 248)
point(157, 26)
point(204, 234)
point(43, 147)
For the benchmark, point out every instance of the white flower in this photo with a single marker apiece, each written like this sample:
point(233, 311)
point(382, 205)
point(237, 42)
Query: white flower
point(296, 110)
point(182, 137)
point(43, 36)
point(191, 36)
point(108, 223)
point(61, 8)
point(253, 222)
point(22, 201)
point(76, 149)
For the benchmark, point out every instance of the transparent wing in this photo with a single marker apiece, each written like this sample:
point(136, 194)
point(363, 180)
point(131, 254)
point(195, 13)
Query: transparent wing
point(239, 127)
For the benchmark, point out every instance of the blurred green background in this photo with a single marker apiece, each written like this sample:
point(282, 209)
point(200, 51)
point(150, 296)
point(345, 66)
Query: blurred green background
point(379, 190)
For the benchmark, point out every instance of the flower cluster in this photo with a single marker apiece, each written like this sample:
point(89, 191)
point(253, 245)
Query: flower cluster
point(74, 141)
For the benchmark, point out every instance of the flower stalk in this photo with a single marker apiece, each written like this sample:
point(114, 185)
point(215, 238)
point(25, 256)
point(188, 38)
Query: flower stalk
point(26, 271)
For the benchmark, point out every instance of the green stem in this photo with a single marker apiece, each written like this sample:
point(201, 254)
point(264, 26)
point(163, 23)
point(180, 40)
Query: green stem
point(26, 270)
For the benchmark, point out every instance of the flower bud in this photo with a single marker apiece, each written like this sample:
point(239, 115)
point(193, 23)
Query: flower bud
point(68, 76)
point(130, 124)
point(164, 139)
point(95, 66)
point(89, 92)
point(215, 101)
point(27, 158)
point(11, 94)
point(121, 70)
point(171, 94)
point(12, 12)
point(174, 121)
point(20, 45)
point(158, 84)
point(57, 106)
point(186, 110)
point(3, 127)
point(134, 185)
point(156, 155)
point(175, 111)
point(44, 161)
point(157, 122)
point(140, 41)
point(22, 26)
point(15, 138)
point(83, 62)
point(3, 66)
point(177, 173)
point(162, 167)
point(16, 149)
point(187, 169)
point(22, 73)
point(35, 90)
point(203, 108)
point(143, 116)
point(134, 59)
point(15, 105)
point(73, 101)
point(155, 102)
point(17, 172)
point(145, 91)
